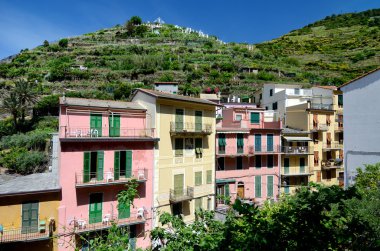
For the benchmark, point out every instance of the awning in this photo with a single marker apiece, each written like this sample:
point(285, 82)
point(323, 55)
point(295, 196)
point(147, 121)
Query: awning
point(231, 132)
point(291, 138)
point(221, 181)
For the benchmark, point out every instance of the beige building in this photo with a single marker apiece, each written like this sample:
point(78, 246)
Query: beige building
point(185, 155)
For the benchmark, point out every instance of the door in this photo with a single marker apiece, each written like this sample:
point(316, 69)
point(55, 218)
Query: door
point(116, 166)
point(258, 142)
point(198, 121)
point(29, 217)
point(96, 206)
point(86, 167)
point(100, 165)
point(128, 164)
point(114, 125)
point(178, 184)
point(179, 119)
point(270, 142)
point(124, 211)
point(96, 125)
point(269, 186)
point(286, 166)
point(240, 191)
point(302, 165)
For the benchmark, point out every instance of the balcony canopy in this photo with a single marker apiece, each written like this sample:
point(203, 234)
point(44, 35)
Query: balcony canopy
point(296, 139)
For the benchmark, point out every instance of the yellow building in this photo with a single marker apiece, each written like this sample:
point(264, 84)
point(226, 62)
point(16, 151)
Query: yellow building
point(185, 155)
point(324, 121)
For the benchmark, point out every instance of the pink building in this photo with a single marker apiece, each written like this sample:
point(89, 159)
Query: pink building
point(103, 144)
point(248, 153)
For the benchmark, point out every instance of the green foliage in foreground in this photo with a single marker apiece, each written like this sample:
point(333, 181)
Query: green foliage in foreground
point(22, 161)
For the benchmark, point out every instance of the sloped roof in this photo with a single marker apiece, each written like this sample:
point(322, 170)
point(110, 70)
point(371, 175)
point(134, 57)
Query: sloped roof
point(288, 130)
point(329, 87)
point(362, 76)
point(99, 103)
point(165, 95)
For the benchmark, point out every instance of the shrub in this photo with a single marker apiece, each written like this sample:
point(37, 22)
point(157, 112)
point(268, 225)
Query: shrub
point(21, 161)
point(46, 43)
point(265, 76)
point(35, 140)
point(48, 105)
point(63, 42)
point(6, 127)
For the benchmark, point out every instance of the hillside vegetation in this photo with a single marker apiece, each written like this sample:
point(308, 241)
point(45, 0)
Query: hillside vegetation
point(331, 51)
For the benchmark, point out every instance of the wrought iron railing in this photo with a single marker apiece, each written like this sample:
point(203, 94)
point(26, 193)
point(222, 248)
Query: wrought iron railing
point(297, 150)
point(181, 194)
point(105, 132)
point(23, 234)
point(95, 178)
point(180, 127)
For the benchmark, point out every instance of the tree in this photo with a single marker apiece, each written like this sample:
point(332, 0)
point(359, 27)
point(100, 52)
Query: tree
point(46, 43)
point(12, 105)
point(63, 42)
point(135, 20)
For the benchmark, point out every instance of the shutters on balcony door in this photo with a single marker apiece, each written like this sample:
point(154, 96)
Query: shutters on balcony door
point(29, 217)
point(114, 125)
point(116, 165)
point(286, 166)
point(178, 184)
point(96, 125)
point(302, 165)
point(269, 186)
point(198, 121)
point(258, 186)
point(258, 142)
point(328, 138)
point(86, 167)
point(128, 164)
point(96, 207)
point(124, 211)
point(179, 119)
point(270, 142)
point(100, 165)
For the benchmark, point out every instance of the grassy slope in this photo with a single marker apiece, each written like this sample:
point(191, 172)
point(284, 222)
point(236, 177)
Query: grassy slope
point(330, 51)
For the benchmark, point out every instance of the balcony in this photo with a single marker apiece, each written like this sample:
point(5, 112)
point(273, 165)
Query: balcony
point(83, 225)
point(332, 164)
point(177, 128)
point(263, 149)
point(23, 235)
point(231, 151)
point(318, 106)
point(91, 134)
point(319, 127)
point(182, 194)
point(297, 150)
point(299, 92)
point(332, 146)
point(338, 127)
point(107, 178)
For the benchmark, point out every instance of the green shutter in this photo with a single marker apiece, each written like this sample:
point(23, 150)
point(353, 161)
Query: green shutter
point(100, 166)
point(258, 142)
point(240, 140)
point(29, 217)
point(179, 119)
point(198, 121)
point(198, 203)
point(226, 190)
point(269, 186)
point(178, 184)
point(222, 139)
point(258, 186)
point(178, 143)
point(124, 211)
point(286, 166)
point(209, 176)
point(270, 142)
point(198, 178)
point(86, 167)
point(96, 206)
point(255, 117)
point(302, 165)
point(128, 164)
point(340, 100)
point(96, 125)
point(116, 165)
point(114, 125)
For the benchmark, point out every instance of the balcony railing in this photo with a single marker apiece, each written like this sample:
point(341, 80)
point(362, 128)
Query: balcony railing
point(178, 195)
point(187, 128)
point(264, 149)
point(91, 133)
point(297, 150)
point(250, 150)
point(108, 178)
point(331, 164)
point(319, 127)
point(338, 127)
point(83, 224)
point(332, 146)
point(318, 106)
point(23, 234)
point(231, 150)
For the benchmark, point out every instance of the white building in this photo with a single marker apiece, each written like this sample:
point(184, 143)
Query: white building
point(361, 119)
point(168, 87)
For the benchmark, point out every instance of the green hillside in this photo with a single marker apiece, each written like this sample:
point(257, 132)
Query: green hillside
point(331, 51)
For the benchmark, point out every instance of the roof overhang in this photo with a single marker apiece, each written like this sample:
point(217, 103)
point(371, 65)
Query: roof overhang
point(296, 139)
point(223, 181)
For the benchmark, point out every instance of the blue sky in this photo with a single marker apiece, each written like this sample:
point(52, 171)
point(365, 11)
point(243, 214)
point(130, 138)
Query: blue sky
point(26, 24)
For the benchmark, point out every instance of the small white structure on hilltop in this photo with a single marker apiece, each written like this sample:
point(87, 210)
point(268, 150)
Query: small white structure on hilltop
point(159, 21)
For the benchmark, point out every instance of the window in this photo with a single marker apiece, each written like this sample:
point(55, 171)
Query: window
point(257, 142)
point(255, 117)
point(179, 147)
point(114, 125)
point(239, 163)
point(122, 164)
point(93, 166)
point(198, 121)
point(198, 203)
point(96, 125)
point(270, 161)
point(198, 148)
point(238, 117)
point(124, 211)
point(254, 99)
point(258, 186)
point(179, 120)
point(198, 178)
point(95, 207)
point(258, 161)
point(271, 92)
point(221, 143)
point(274, 106)
point(209, 204)
point(221, 163)
point(209, 176)
point(316, 158)
point(340, 100)
point(286, 165)
point(270, 142)
point(177, 208)
point(266, 108)
point(29, 217)
point(240, 143)
point(261, 96)
point(302, 165)
point(297, 91)
point(269, 186)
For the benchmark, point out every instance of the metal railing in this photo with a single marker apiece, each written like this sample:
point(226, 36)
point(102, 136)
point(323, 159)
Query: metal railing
point(106, 221)
point(338, 127)
point(231, 150)
point(297, 150)
point(105, 132)
point(94, 178)
point(328, 164)
point(332, 145)
point(264, 149)
point(318, 106)
point(23, 234)
point(319, 127)
point(177, 195)
point(180, 127)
